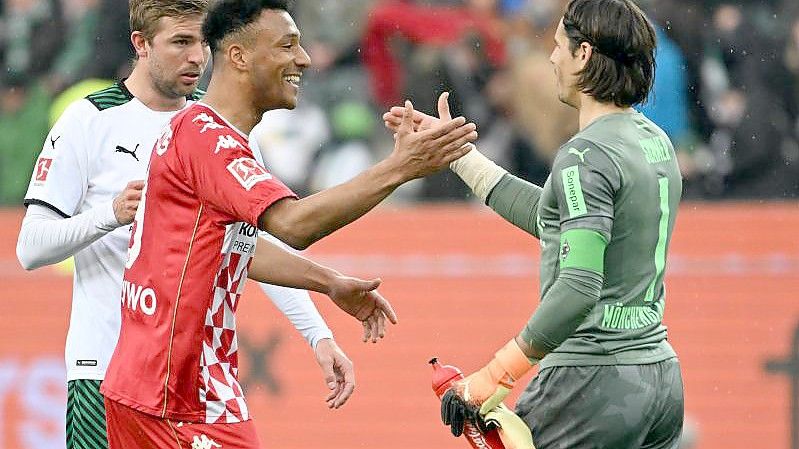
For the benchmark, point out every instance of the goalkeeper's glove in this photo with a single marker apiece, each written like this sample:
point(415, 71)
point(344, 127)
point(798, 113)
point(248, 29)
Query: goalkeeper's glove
point(513, 432)
point(475, 396)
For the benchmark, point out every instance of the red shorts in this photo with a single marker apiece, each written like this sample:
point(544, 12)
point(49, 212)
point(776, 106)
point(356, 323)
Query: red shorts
point(129, 429)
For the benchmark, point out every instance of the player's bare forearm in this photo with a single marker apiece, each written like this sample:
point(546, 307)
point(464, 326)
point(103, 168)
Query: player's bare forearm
point(274, 265)
point(357, 297)
point(416, 154)
point(299, 223)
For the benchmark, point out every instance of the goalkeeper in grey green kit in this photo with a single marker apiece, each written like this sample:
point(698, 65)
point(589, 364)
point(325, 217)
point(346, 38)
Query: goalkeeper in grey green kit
point(608, 377)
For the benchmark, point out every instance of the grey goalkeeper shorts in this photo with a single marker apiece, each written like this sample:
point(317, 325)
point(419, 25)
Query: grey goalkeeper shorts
point(605, 407)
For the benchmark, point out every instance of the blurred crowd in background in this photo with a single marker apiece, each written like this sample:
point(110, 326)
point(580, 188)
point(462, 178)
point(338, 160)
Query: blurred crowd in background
point(726, 88)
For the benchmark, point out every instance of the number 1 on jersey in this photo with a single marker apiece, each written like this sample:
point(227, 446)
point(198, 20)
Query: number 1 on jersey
point(663, 234)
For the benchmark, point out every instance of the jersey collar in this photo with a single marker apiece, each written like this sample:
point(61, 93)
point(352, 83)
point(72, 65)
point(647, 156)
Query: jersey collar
point(124, 89)
point(243, 135)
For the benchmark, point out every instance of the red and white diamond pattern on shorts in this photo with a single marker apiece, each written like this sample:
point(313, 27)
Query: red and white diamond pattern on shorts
point(220, 390)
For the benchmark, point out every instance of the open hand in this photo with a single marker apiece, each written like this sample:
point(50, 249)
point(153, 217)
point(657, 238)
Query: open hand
point(424, 145)
point(338, 372)
point(361, 299)
point(421, 121)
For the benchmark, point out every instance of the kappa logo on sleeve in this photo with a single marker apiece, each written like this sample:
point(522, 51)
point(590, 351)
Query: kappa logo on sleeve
point(42, 169)
point(248, 172)
point(227, 142)
point(207, 122)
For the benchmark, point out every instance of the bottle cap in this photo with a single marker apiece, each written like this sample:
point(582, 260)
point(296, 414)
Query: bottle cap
point(443, 376)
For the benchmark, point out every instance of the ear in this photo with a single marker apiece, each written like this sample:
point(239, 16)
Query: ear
point(585, 52)
point(139, 44)
point(237, 56)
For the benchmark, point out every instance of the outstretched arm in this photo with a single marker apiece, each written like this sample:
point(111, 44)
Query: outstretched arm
point(416, 154)
point(357, 297)
point(300, 310)
point(513, 198)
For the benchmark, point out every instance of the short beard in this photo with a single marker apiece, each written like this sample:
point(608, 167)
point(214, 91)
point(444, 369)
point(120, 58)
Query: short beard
point(169, 89)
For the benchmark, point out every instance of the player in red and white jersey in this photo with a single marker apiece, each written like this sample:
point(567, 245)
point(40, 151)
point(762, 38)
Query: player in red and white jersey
point(85, 190)
point(187, 264)
point(195, 235)
point(189, 255)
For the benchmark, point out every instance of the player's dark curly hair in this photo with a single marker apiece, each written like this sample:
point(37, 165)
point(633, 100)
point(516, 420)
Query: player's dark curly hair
point(622, 66)
point(226, 17)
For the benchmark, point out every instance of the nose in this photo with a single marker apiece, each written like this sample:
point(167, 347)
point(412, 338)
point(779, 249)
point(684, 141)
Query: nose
point(303, 60)
point(196, 54)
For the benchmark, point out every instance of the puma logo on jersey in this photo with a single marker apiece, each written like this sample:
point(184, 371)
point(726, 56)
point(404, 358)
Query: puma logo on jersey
point(578, 153)
point(203, 442)
point(226, 142)
point(53, 141)
point(121, 149)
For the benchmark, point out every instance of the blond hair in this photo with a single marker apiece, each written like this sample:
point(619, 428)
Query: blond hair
point(144, 14)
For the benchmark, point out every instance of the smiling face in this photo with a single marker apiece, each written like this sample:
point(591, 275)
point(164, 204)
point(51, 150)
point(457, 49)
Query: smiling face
point(567, 65)
point(176, 56)
point(276, 61)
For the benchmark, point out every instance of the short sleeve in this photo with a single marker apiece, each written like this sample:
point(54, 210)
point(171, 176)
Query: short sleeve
point(60, 177)
point(585, 181)
point(222, 169)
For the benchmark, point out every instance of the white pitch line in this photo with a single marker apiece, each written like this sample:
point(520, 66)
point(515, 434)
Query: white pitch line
point(511, 265)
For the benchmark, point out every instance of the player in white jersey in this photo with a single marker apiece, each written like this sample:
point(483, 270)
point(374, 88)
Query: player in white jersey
point(84, 192)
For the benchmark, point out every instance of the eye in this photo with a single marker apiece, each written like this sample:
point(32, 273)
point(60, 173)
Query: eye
point(182, 41)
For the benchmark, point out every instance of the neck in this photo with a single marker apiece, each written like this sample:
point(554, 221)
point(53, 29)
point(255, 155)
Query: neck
point(591, 110)
point(232, 101)
point(142, 87)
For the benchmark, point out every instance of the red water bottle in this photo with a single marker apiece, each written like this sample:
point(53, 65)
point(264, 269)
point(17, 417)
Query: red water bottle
point(443, 377)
